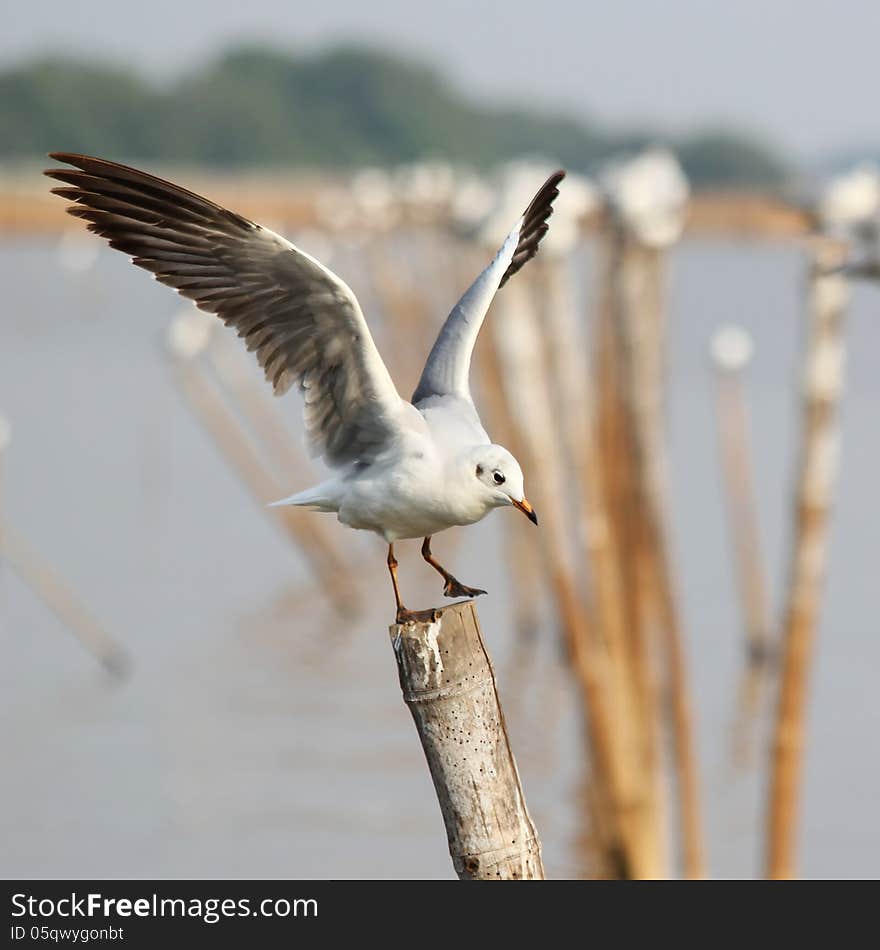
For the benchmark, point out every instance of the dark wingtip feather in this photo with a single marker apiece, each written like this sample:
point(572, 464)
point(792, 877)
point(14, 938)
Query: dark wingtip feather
point(534, 225)
point(91, 174)
point(66, 158)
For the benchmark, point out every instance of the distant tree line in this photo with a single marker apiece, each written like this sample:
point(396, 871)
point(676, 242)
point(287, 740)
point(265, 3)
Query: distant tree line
point(340, 108)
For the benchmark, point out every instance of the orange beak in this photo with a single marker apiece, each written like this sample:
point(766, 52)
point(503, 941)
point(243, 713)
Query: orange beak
point(527, 510)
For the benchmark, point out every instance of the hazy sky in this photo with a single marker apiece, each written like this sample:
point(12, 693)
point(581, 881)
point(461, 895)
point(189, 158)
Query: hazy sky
point(804, 74)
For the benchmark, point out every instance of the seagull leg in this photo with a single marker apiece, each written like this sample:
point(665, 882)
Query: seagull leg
point(452, 588)
point(403, 615)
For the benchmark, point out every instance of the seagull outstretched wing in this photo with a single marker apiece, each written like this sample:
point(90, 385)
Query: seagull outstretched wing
point(303, 322)
point(448, 367)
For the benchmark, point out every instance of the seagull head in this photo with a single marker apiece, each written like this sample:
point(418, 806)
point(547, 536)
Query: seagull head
point(501, 479)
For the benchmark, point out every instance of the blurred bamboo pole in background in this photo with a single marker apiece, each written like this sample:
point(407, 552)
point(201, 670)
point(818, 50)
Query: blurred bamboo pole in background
point(640, 341)
point(53, 590)
point(567, 370)
point(523, 369)
point(253, 400)
point(60, 598)
point(731, 351)
point(206, 402)
point(547, 367)
point(815, 479)
point(251, 396)
point(628, 552)
point(646, 202)
point(449, 685)
point(568, 376)
point(526, 565)
point(408, 324)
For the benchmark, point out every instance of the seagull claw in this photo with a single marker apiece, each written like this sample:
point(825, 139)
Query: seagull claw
point(453, 588)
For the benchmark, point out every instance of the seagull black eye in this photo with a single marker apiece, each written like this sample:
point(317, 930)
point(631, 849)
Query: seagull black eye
point(499, 478)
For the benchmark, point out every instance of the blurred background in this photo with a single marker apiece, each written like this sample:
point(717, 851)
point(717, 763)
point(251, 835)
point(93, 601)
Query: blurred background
point(196, 686)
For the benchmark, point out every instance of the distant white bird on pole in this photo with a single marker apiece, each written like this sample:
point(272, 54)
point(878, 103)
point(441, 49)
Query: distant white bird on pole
point(848, 210)
point(731, 349)
point(649, 195)
point(402, 469)
point(851, 202)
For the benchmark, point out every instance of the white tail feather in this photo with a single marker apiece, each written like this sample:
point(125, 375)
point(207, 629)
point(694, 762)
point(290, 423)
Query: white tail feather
point(316, 497)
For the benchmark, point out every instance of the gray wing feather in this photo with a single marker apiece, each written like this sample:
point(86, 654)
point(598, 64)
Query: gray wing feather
point(304, 323)
point(447, 369)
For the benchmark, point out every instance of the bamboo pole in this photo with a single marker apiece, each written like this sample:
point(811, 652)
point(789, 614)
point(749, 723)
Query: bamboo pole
point(520, 351)
point(567, 376)
point(526, 566)
point(566, 358)
point(449, 685)
point(621, 570)
point(50, 587)
point(822, 388)
point(574, 392)
point(627, 564)
point(406, 312)
point(731, 351)
point(185, 342)
point(315, 535)
point(620, 560)
point(639, 353)
point(647, 201)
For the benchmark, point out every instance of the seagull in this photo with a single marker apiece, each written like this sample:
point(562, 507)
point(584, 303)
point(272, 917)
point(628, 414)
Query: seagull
point(401, 469)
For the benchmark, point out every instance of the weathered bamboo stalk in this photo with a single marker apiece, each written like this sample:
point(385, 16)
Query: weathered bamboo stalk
point(449, 685)
point(816, 476)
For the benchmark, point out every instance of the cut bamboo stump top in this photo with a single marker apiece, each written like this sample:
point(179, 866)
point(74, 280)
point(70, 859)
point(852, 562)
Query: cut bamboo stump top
point(449, 685)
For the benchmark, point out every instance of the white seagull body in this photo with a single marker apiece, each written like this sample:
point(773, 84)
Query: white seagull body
point(401, 469)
